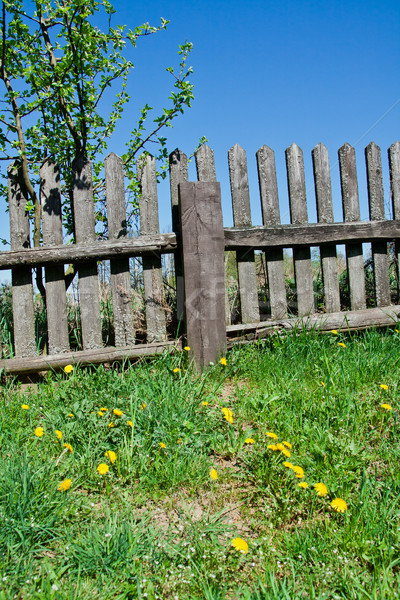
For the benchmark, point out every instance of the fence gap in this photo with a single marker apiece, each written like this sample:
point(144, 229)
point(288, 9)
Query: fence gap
point(152, 270)
point(328, 254)
point(298, 215)
point(271, 216)
point(202, 247)
point(250, 312)
point(377, 213)
point(56, 298)
point(351, 212)
point(21, 277)
point(89, 300)
point(117, 230)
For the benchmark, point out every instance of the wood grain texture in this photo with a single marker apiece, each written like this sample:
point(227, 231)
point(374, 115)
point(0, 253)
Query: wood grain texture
point(394, 171)
point(205, 167)
point(323, 194)
point(298, 215)
point(86, 357)
point(21, 277)
point(89, 301)
point(152, 271)
point(271, 216)
point(178, 172)
point(203, 266)
point(117, 230)
point(351, 211)
point(377, 213)
point(56, 299)
point(242, 216)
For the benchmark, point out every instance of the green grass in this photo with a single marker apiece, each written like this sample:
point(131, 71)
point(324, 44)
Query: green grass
point(157, 526)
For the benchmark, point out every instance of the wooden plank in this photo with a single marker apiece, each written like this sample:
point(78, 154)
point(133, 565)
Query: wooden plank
point(377, 213)
point(84, 223)
point(178, 172)
point(394, 170)
point(341, 321)
point(152, 272)
point(86, 357)
point(270, 215)
point(241, 217)
point(117, 230)
point(56, 299)
point(205, 167)
point(298, 214)
point(323, 194)
point(202, 238)
point(21, 277)
point(351, 211)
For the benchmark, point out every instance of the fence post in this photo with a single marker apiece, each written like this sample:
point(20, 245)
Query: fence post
point(202, 247)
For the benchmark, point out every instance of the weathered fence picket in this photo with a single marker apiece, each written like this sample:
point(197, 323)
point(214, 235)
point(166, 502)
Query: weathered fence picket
point(298, 215)
point(119, 268)
point(323, 194)
point(152, 271)
point(271, 216)
point(56, 298)
point(242, 217)
point(198, 243)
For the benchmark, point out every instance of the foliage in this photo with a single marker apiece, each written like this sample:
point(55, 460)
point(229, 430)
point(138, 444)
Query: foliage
point(59, 71)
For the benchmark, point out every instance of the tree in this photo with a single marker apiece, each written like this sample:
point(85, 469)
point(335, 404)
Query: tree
point(57, 67)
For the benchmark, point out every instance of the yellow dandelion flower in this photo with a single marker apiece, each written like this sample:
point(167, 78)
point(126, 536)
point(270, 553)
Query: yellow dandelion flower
point(280, 446)
point(272, 435)
point(272, 447)
point(179, 441)
point(384, 386)
point(334, 331)
point(176, 370)
point(68, 369)
point(286, 453)
point(339, 505)
point(70, 415)
point(288, 464)
point(303, 484)
point(100, 413)
point(162, 445)
point(104, 409)
point(117, 412)
point(223, 362)
point(321, 489)
point(322, 383)
point(288, 445)
point(58, 434)
point(143, 405)
point(228, 415)
point(205, 403)
point(213, 474)
point(187, 348)
point(103, 468)
point(110, 454)
point(299, 472)
point(240, 545)
point(68, 446)
point(39, 431)
point(249, 441)
point(111, 424)
point(342, 345)
point(64, 485)
point(386, 406)
point(129, 423)
point(25, 407)
point(396, 330)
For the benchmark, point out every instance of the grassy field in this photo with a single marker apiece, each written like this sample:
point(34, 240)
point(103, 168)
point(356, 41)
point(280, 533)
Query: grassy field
point(154, 482)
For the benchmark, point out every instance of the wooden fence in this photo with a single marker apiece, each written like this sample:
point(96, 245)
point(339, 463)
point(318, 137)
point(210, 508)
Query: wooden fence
point(198, 243)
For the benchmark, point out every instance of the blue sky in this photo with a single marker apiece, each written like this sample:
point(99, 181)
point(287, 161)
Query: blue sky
point(271, 73)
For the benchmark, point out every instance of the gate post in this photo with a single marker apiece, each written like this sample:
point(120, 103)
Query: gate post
point(202, 248)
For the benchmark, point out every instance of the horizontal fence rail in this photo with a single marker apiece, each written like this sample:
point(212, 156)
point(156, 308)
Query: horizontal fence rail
point(214, 304)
